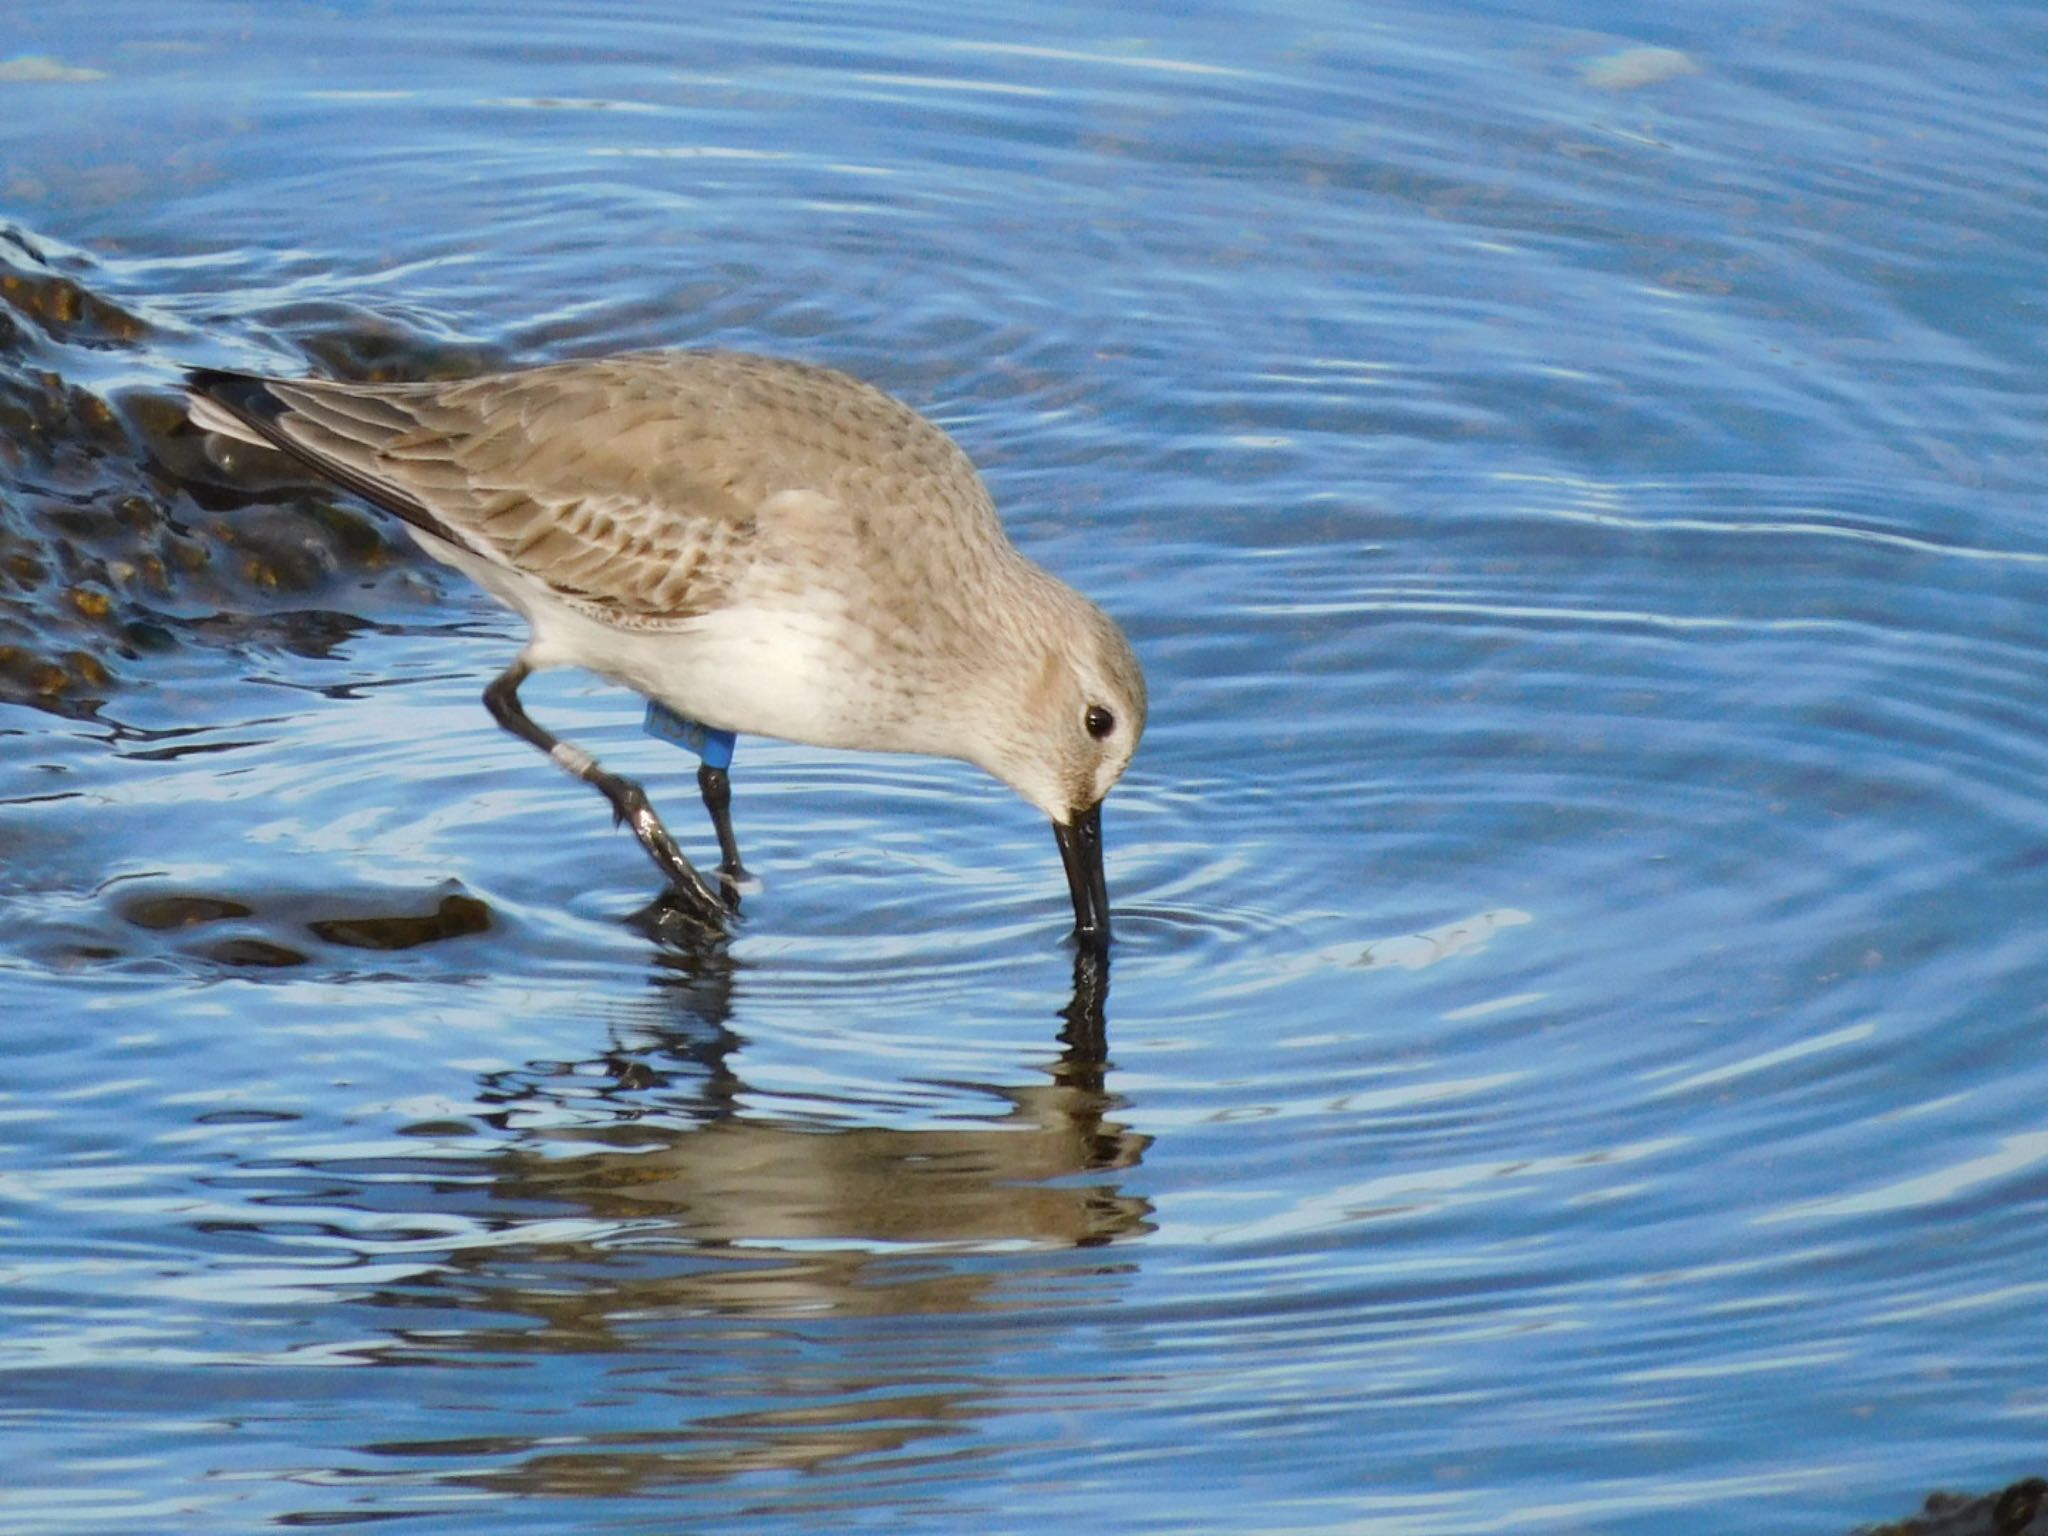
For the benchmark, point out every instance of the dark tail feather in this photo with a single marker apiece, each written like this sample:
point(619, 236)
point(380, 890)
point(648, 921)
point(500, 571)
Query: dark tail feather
point(248, 398)
point(242, 395)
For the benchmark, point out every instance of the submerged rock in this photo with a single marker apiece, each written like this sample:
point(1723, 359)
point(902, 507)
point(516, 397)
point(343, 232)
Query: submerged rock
point(268, 929)
point(2011, 1512)
point(456, 917)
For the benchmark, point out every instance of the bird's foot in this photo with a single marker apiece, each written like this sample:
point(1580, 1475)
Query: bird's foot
point(734, 882)
point(630, 807)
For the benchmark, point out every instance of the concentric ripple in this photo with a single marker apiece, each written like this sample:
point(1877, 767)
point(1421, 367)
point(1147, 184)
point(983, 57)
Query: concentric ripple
point(1570, 1057)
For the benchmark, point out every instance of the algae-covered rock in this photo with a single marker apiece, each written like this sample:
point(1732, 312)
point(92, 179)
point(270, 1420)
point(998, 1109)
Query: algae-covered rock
point(120, 532)
point(2013, 1511)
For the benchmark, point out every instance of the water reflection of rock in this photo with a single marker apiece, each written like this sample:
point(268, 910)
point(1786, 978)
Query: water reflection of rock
point(651, 1240)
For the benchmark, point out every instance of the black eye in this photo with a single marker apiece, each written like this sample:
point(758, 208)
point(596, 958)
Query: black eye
point(1100, 722)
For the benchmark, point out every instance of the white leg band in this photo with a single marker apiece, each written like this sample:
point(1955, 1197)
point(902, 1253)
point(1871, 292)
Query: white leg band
point(574, 759)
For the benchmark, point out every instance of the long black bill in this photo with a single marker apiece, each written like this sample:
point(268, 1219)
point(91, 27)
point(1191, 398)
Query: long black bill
point(1081, 849)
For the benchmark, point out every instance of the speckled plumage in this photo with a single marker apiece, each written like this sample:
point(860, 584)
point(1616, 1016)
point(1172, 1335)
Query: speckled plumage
point(646, 486)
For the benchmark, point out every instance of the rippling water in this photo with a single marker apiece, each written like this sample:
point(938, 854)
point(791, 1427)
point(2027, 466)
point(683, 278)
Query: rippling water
point(1572, 1032)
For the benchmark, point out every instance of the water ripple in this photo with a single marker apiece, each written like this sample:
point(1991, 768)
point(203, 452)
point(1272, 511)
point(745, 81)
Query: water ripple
point(1573, 988)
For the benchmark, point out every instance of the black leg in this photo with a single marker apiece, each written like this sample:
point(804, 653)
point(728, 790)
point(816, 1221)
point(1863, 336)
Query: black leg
point(628, 799)
point(717, 790)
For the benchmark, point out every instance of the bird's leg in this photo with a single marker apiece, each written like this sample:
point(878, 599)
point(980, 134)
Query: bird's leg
point(717, 791)
point(628, 799)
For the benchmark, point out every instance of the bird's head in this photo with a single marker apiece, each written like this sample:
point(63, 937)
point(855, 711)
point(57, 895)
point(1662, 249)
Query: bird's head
point(1074, 709)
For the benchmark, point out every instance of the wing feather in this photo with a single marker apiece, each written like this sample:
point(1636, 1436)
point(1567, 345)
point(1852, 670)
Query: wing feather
point(643, 487)
point(546, 472)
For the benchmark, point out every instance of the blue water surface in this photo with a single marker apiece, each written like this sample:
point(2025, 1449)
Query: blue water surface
point(1575, 1027)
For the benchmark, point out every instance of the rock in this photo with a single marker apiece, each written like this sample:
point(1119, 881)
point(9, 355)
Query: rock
point(2010, 1512)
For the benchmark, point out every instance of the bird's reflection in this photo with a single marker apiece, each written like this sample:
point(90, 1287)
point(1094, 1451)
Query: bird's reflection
point(670, 1221)
point(671, 1144)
